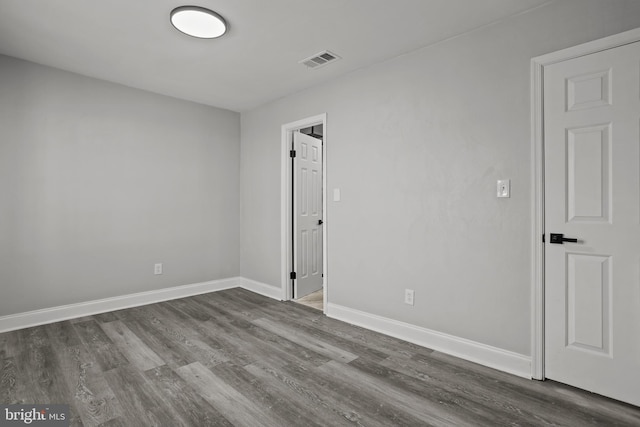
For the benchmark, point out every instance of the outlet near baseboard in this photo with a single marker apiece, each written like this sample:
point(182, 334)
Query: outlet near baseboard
point(408, 296)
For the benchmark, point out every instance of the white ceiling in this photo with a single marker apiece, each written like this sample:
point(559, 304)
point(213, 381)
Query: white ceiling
point(133, 43)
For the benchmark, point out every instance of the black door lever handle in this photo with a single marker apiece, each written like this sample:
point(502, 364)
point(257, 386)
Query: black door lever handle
point(559, 239)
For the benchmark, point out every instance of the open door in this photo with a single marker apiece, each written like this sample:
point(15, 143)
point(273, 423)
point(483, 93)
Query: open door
point(308, 218)
point(592, 201)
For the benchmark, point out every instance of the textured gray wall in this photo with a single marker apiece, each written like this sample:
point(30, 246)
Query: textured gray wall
point(416, 145)
point(99, 181)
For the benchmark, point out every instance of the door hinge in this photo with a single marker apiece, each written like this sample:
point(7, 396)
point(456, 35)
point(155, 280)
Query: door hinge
point(292, 153)
point(542, 237)
point(292, 275)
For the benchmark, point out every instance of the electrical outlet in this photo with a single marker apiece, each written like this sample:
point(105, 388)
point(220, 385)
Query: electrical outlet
point(157, 269)
point(408, 296)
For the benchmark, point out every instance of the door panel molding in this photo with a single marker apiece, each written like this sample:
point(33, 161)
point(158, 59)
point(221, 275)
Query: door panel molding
point(537, 178)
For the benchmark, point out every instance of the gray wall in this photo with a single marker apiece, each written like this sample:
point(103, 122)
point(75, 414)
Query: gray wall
point(416, 145)
point(100, 181)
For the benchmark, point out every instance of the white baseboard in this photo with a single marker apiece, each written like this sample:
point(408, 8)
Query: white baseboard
point(71, 311)
point(260, 288)
point(493, 357)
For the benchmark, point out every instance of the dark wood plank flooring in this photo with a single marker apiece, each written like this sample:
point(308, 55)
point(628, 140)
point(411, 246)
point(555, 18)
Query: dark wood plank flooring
point(237, 358)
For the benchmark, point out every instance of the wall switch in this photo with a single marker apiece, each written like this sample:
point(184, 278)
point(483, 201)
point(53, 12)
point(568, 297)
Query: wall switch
point(504, 188)
point(336, 194)
point(157, 269)
point(408, 296)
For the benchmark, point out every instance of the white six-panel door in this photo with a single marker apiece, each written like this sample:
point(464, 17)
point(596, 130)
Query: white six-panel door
point(308, 214)
point(592, 193)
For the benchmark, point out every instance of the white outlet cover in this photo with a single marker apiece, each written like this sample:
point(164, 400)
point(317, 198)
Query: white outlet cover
point(409, 295)
point(336, 194)
point(504, 188)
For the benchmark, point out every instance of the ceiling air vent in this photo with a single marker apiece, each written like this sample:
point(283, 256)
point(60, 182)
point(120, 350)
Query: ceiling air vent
point(319, 59)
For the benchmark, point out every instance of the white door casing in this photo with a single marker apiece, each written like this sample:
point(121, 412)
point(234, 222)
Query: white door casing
point(592, 193)
point(308, 214)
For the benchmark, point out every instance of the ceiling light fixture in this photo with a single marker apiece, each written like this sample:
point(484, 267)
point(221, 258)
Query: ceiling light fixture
point(198, 22)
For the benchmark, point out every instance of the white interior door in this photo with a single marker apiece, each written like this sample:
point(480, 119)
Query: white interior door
point(592, 193)
point(308, 214)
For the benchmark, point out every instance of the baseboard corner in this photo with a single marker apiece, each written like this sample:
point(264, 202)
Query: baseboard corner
point(260, 288)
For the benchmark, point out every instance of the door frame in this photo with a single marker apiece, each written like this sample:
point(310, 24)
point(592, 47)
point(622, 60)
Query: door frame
point(537, 180)
point(286, 200)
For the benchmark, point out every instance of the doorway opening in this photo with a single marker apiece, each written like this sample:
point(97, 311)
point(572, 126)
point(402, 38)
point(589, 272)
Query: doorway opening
point(308, 216)
point(303, 208)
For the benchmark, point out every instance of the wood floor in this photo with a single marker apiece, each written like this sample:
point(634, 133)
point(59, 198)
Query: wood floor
point(236, 358)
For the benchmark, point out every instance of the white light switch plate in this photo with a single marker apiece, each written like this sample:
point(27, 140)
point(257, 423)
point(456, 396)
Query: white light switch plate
point(336, 194)
point(504, 188)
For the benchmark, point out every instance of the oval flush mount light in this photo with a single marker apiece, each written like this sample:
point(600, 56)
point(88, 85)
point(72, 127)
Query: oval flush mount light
point(198, 22)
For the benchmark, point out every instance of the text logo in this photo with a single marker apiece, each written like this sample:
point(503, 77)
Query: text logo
point(34, 415)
